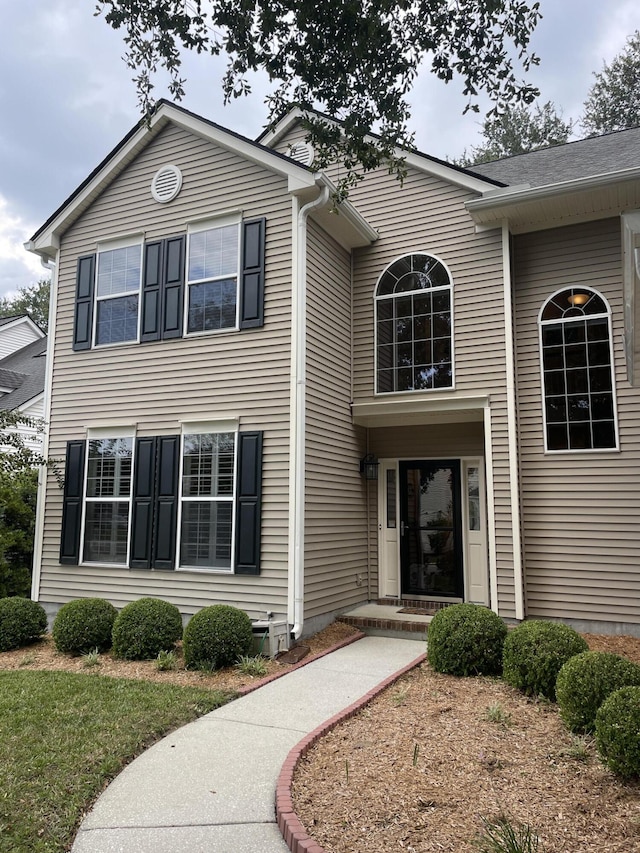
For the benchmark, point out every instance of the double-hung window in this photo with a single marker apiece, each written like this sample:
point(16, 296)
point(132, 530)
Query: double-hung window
point(207, 500)
point(212, 276)
point(107, 509)
point(118, 277)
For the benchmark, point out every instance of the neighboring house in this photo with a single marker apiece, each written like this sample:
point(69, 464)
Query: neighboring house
point(23, 351)
point(228, 352)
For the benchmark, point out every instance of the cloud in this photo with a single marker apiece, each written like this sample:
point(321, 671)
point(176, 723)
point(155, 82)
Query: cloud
point(17, 266)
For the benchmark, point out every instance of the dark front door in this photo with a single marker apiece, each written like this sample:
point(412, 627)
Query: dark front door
point(430, 528)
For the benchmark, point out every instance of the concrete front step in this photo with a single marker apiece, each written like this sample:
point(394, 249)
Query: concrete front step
point(385, 619)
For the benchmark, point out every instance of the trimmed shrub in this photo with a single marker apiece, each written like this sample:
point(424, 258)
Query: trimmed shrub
point(217, 636)
point(534, 653)
point(84, 625)
point(585, 681)
point(22, 621)
point(466, 639)
point(618, 732)
point(146, 627)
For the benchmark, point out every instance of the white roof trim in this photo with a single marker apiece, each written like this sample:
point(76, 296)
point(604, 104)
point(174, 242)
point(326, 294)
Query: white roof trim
point(18, 321)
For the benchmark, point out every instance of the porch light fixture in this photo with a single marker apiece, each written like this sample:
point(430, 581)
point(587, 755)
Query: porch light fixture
point(369, 467)
point(578, 299)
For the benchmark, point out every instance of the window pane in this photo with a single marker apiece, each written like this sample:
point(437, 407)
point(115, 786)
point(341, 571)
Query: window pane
point(553, 358)
point(404, 355)
point(442, 376)
point(404, 306)
point(212, 306)
point(598, 330)
point(578, 408)
point(604, 435)
point(579, 436)
point(598, 353)
point(473, 498)
point(404, 378)
point(551, 336)
point(600, 379)
point(577, 381)
point(117, 320)
point(441, 325)
point(422, 303)
point(554, 382)
point(208, 465)
point(403, 330)
point(119, 270)
point(385, 381)
point(557, 437)
point(391, 498)
point(109, 468)
point(576, 355)
point(602, 407)
point(205, 540)
point(556, 409)
point(441, 300)
point(423, 378)
point(213, 253)
point(106, 531)
point(385, 332)
point(574, 333)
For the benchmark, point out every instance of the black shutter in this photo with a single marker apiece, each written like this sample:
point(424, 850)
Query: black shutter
point(151, 283)
point(173, 288)
point(248, 503)
point(166, 501)
point(72, 503)
point(162, 289)
point(83, 320)
point(143, 503)
point(252, 274)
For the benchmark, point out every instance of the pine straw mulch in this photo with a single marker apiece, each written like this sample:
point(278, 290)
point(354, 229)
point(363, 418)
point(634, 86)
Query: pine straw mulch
point(43, 655)
point(419, 767)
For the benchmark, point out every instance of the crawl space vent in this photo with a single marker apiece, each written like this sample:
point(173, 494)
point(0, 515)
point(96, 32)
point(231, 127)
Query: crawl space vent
point(166, 184)
point(302, 152)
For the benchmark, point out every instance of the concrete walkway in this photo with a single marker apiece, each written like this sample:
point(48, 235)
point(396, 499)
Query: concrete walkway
point(210, 786)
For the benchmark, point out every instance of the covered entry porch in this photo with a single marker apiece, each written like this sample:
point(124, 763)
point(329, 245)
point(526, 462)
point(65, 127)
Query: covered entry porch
point(431, 509)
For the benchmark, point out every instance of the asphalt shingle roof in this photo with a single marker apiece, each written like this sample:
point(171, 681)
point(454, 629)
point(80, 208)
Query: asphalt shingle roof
point(26, 367)
point(597, 155)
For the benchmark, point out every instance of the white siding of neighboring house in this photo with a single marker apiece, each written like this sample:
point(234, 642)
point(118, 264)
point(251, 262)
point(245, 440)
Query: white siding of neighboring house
point(15, 336)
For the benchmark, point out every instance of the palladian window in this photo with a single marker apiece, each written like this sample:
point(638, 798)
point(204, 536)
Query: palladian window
point(413, 326)
point(579, 395)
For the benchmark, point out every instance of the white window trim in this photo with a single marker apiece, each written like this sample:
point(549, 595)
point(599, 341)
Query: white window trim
point(201, 428)
point(95, 434)
point(110, 246)
point(376, 298)
point(543, 395)
point(197, 227)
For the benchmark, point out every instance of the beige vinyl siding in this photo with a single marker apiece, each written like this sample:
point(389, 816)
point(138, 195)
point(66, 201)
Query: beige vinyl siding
point(426, 214)
point(335, 507)
point(292, 137)
point(157, 386)
point(580, 510)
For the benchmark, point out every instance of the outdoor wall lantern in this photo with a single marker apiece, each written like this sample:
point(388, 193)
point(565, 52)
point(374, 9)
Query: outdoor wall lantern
point(369, 467)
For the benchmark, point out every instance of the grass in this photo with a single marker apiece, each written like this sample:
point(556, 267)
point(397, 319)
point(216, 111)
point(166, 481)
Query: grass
point(64, 735)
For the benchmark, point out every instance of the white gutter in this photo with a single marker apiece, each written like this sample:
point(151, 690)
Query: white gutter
point(512, 426)
point(295, 611)
point(43, 471)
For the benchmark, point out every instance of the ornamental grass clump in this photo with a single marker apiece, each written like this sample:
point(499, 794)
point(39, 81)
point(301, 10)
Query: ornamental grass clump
point(534, 653)
point(22, 621)
point(618, 732)
point(146, 627)
point(84, 625)
point(466, 639)
point(217, 636)
point(586, 680)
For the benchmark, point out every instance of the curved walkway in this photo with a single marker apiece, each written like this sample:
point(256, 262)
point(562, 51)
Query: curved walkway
point(210, 786)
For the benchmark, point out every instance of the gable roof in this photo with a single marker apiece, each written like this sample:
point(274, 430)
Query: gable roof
point(24, 372)
point(301, 179)
point(466, 178)
point(18, 319)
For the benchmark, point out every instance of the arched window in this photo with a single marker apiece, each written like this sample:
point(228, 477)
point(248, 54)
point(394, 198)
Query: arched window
point(579, 395)
point(413, 326)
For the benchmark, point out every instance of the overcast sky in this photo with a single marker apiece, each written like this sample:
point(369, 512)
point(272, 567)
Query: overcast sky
point(66, 99)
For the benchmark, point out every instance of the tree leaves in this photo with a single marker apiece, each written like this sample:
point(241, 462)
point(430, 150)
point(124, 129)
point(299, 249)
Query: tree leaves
point(355, 60)
point(613, 102)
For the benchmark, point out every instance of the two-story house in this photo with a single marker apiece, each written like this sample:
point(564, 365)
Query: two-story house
point(23, 351)
point(427, 396)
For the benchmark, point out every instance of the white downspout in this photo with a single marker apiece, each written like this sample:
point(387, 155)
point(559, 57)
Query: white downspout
point(512, 427)
point(43, 471)
point(297, 472)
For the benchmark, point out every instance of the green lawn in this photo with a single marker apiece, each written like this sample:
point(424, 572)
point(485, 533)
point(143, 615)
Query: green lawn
point(64, 735)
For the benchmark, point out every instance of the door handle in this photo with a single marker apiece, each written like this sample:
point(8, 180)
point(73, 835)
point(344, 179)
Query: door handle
point(403, 527)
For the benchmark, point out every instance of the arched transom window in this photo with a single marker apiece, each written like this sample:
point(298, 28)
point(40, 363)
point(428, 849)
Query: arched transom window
point(413, 326)
point(579, 394)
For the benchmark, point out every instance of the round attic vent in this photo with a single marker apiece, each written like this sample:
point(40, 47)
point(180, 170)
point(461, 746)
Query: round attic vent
point(302, 153)
point(166, 184)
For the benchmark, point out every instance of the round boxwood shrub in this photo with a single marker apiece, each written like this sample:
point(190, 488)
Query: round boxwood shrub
point(466, 639)
point(83, 625)
point(534, 653)
point(22, 621)
point(585, 681)
point(618, 732)
point(216, 637)
point(146, 627)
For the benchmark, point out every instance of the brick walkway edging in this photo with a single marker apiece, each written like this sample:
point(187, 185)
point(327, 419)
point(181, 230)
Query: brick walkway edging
point(289, 824)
